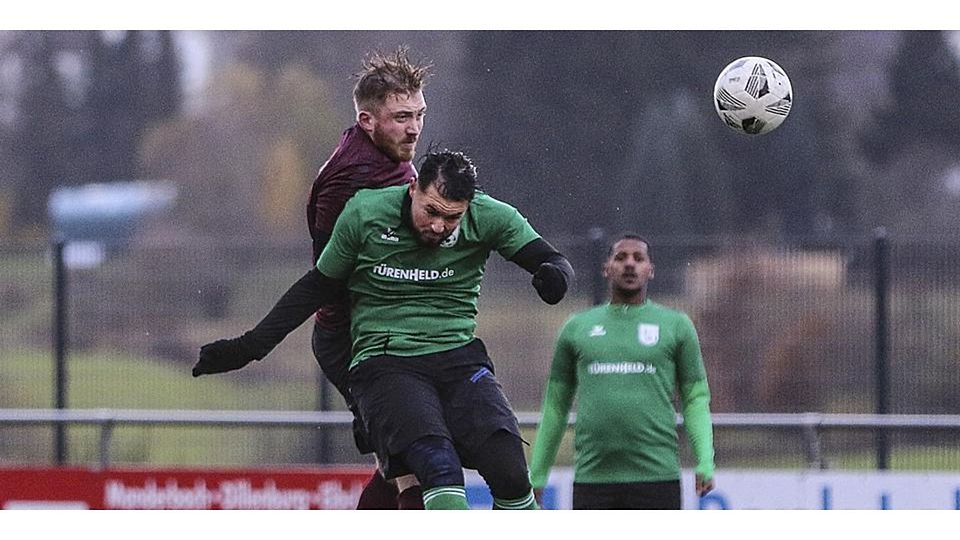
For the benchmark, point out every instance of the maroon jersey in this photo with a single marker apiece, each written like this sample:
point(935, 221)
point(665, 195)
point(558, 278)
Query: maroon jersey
point(355, 164)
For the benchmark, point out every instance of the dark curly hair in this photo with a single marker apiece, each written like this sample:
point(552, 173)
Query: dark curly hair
point(453, 173)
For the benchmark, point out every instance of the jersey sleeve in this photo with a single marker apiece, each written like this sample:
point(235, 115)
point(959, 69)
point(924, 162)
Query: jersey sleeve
point(508, 230)
point(690, 362)
point(326, 202)
point(339, 256)
point(557, 400)
point(695, 399)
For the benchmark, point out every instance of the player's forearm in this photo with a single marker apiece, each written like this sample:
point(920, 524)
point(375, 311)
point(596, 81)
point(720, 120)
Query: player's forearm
point(695, 398)
point(552, 272)
point(539, 251)
point(296, 305)
point(556, 408)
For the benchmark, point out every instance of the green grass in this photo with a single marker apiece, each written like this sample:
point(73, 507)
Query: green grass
point(902, 458)
point(114, 380)
point(770, 450)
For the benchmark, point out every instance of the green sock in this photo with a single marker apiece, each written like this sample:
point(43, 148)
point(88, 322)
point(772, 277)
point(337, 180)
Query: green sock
point(527, 502)
point(445, 498)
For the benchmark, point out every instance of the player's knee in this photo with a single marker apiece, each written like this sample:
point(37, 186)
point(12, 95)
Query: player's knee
point(434, 461)
point(503, 466)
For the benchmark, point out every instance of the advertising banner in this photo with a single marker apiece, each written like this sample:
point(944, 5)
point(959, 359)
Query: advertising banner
point(159, 489)
point(339, 488)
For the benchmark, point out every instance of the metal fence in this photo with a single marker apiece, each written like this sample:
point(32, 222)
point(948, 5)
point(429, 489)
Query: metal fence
point(808, 429)
point(833, 326)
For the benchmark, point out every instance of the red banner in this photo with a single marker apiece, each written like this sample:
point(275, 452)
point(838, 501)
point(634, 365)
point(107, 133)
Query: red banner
point(161, 489)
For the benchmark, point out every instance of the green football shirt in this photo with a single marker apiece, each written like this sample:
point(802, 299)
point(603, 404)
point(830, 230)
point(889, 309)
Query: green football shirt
point(624, 363)
point(410, 300)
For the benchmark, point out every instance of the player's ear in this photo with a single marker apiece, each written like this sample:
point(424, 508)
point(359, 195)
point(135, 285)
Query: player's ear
point(413, 187)
point(652, 268)
point(366, 121)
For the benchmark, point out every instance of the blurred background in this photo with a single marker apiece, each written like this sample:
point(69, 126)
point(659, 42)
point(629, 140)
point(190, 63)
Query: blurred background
point(176, 166)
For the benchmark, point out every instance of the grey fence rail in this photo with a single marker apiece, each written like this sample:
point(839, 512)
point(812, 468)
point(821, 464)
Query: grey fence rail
point(811, 425)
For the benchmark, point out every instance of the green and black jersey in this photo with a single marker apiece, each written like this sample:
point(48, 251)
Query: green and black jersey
point(624, 363)
point(410, 300)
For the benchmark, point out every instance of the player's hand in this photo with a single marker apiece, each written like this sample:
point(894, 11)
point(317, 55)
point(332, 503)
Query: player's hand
point(538, 495)
point(703, 486)
point(221, 356)
point(550, 283)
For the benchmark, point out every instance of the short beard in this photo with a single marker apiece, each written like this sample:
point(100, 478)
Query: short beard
point(392, 151)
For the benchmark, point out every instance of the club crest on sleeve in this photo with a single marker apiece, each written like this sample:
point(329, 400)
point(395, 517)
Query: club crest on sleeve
point(648, 334)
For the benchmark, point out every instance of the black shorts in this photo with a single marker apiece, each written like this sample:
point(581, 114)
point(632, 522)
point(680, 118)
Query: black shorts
point(627, 496)
point(333, 351)
point(452, 394)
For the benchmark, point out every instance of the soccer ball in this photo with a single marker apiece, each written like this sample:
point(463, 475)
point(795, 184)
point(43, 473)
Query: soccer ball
point(753, 95)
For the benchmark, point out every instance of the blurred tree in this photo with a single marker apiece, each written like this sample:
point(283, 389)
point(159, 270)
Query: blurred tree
point(914, 138)
point(115, 104)
point(162, 97)
point(797, 180)
point(283, 190)
point(271, 50)
point(925, 97)
point(83, 99)
point(552, 114)
point(10, 163)
point(621, 126)
point(245, 163)
point(39, 139)
point(581, 112)
point(335, 56)
point(674, 180)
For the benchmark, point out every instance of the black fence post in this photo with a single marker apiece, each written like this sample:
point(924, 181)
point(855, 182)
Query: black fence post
point(598, 286)
point(60, 346)
point(881, 271)
point(323, 404)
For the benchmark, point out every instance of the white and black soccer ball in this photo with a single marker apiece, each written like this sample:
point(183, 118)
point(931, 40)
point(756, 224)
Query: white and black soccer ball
point(753, 95)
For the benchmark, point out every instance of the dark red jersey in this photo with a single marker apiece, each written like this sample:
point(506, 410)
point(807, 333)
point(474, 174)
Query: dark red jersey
point(355, 164)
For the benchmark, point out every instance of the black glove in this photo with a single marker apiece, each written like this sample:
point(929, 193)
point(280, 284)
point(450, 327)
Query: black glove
point(550, 282)
point(224, 355)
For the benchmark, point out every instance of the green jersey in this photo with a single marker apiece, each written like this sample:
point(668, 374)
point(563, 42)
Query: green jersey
point(624, 363)
point(407, 299)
